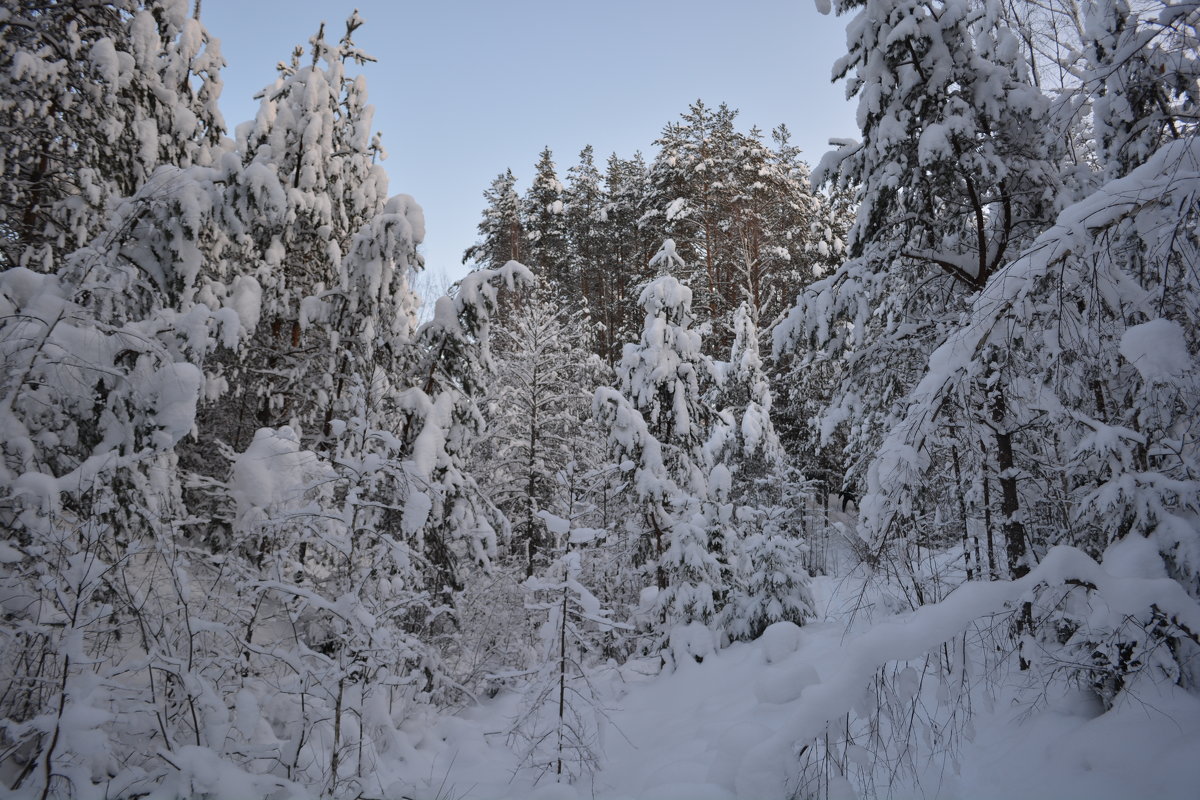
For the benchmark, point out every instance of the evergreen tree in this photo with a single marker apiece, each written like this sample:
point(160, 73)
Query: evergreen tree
point(502, 235)
point(761, 511)
point(543, 216)
point(585, 217)
point(537, 418)
point(660, 422)
point(953, 176)
point(690, 191)
point(743, 212)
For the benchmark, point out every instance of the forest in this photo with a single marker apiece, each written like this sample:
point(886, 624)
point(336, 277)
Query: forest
point(719, 475)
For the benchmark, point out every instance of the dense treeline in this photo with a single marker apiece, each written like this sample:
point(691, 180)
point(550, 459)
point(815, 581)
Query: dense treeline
point(258, 516)
point(743, 215)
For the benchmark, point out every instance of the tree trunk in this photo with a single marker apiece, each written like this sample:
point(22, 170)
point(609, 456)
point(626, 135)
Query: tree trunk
point(1010, 504)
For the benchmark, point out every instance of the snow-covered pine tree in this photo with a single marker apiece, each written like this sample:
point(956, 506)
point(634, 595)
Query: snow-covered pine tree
point(690, 189)
point(743, 215)
point(1088, 335)
point(782, 237)
point(312, 138)
point(953, 176)
point(1087, 363)
point(306, 262)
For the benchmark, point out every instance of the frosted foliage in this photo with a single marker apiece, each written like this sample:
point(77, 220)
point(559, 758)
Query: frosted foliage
point(1041, 307)
point(95, 99)
point(1157, 349)
point(271, 478)
point(56, 335)
point(101, 384)
point(1143, 76)
point(948, 112)
point(662, 373)
point(442, 420)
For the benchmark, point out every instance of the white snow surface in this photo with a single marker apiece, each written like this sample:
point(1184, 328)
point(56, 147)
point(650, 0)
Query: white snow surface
point(727, 727)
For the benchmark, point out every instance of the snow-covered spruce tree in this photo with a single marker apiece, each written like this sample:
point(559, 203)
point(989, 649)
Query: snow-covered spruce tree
point(659, 421)
point(93, 98)
point(502, 238)
point(312, 137)
point(544, 221)
point(954, 175)
point(762, 508)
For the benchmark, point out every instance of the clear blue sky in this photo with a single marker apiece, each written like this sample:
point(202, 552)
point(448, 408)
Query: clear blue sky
point(463, 89)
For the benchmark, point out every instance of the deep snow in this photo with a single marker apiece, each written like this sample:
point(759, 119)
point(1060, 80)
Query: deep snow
point(713, 730)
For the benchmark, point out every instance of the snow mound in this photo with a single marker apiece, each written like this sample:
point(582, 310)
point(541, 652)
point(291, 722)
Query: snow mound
point(692, 642)
point(780, 640)
point(1157, 349)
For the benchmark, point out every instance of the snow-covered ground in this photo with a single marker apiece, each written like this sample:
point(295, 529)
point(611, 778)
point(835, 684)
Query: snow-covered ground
point(725, 728)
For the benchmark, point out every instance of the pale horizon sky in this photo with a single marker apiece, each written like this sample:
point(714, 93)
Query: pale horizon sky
point(463, 90)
